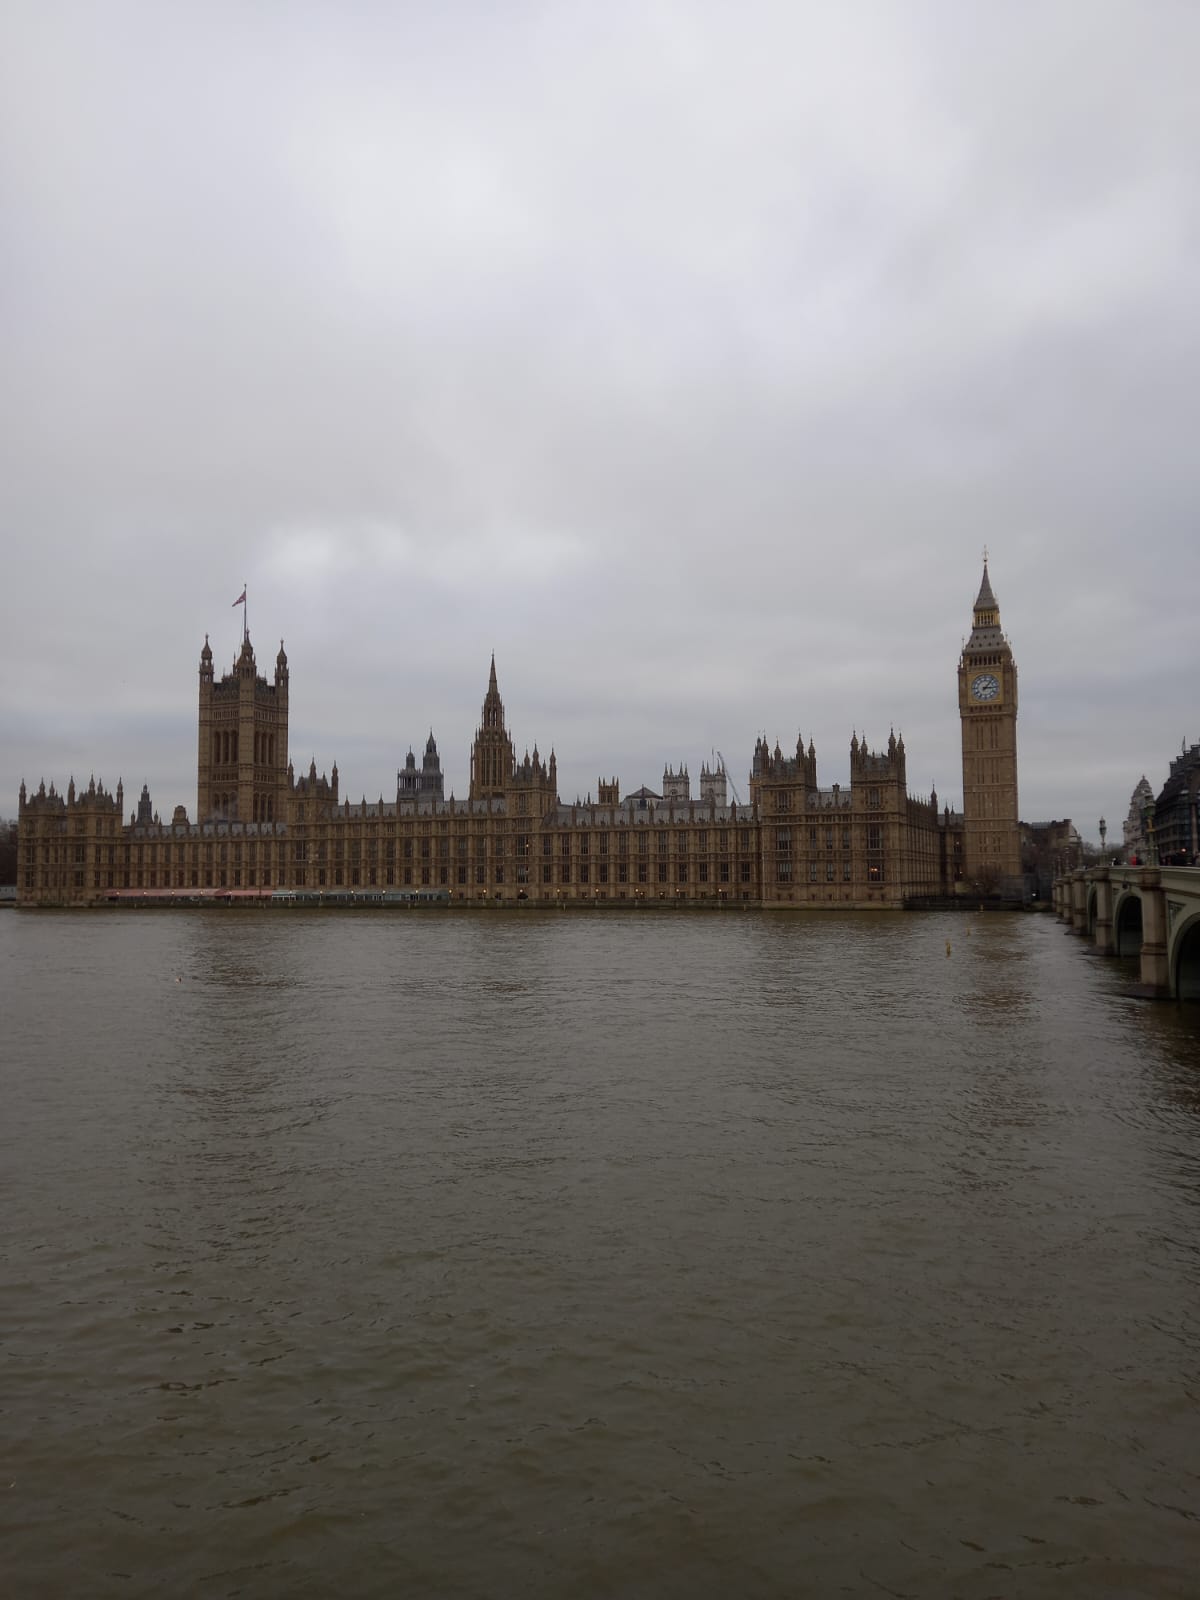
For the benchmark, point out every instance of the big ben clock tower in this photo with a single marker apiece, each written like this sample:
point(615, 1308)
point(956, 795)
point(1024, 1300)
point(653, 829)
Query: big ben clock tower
point(987, 706)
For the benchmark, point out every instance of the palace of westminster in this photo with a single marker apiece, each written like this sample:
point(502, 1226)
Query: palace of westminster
point(263, 833)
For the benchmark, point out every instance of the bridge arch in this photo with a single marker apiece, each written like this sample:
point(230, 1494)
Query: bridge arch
point(1148, 913)
point(1185, 958)
point(1127, 924)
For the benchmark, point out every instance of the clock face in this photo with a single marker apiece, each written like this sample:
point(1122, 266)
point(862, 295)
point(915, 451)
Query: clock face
point(984, 687)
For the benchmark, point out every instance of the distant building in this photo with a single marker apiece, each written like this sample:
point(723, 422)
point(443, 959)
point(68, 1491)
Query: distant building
point(676, 786)
point(1141, 803)
point(423, 786)
point(1177, 810)
point(260, 829)
point(713, 785)
point(1048, 849)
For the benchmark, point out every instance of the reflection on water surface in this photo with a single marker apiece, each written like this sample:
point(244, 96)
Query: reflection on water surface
point(647, 1255)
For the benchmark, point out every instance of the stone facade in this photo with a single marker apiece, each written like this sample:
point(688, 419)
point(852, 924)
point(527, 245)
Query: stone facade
point(262, 831)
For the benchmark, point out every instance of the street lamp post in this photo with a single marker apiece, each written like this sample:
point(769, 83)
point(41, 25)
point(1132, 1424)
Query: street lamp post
point(1103, 836)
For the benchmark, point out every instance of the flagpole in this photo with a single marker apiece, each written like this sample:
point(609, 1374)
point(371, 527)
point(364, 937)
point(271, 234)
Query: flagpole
point(245, 614)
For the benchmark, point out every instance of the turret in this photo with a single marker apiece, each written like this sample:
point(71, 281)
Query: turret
point(985, 630)
point(492, 757)
point(676, 786)
point(713, 785)
point(408, 779)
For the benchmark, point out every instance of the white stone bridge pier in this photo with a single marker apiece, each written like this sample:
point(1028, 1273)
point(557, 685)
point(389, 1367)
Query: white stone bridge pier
point(1149, 912)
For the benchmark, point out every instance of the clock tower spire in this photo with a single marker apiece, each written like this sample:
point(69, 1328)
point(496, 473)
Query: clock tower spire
point(987, 706)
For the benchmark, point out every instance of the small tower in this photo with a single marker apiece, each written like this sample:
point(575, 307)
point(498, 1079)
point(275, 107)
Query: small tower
point(676, 786)
point(789, 779)
point(432, 781)
point(713, 785)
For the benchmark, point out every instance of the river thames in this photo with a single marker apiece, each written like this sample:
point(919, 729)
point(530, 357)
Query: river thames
point(628, 1255)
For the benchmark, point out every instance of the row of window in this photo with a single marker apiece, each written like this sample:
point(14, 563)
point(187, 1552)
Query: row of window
point(784, 800)
point(425, 849)
point(567, 869)
point(263, 806)
point(783, 838)
point(251, 878)
point(225, 748)
point(320, 851)
point(224, 876)
point(783, 872)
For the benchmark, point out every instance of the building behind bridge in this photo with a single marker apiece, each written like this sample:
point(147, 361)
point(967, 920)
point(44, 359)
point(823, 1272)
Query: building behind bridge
point(1048, 849)
point(1136, 827)
point(1177, 811)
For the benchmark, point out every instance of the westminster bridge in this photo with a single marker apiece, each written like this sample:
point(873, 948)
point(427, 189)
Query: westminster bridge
point(1149, 912)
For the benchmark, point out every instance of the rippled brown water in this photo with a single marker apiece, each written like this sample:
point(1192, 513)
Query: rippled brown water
point(405, 1254)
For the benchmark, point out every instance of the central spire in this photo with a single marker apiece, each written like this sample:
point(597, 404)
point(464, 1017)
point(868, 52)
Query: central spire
point(493, 706)
point(986, 600)
point(985, 622)
point(492, 757)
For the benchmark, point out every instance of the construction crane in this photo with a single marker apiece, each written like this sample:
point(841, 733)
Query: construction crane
point(737, 799)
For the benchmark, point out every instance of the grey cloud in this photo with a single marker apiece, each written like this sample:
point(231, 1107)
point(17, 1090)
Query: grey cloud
point(687, 358)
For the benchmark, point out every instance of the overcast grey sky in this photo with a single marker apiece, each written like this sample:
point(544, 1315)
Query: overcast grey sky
point(685, 355)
